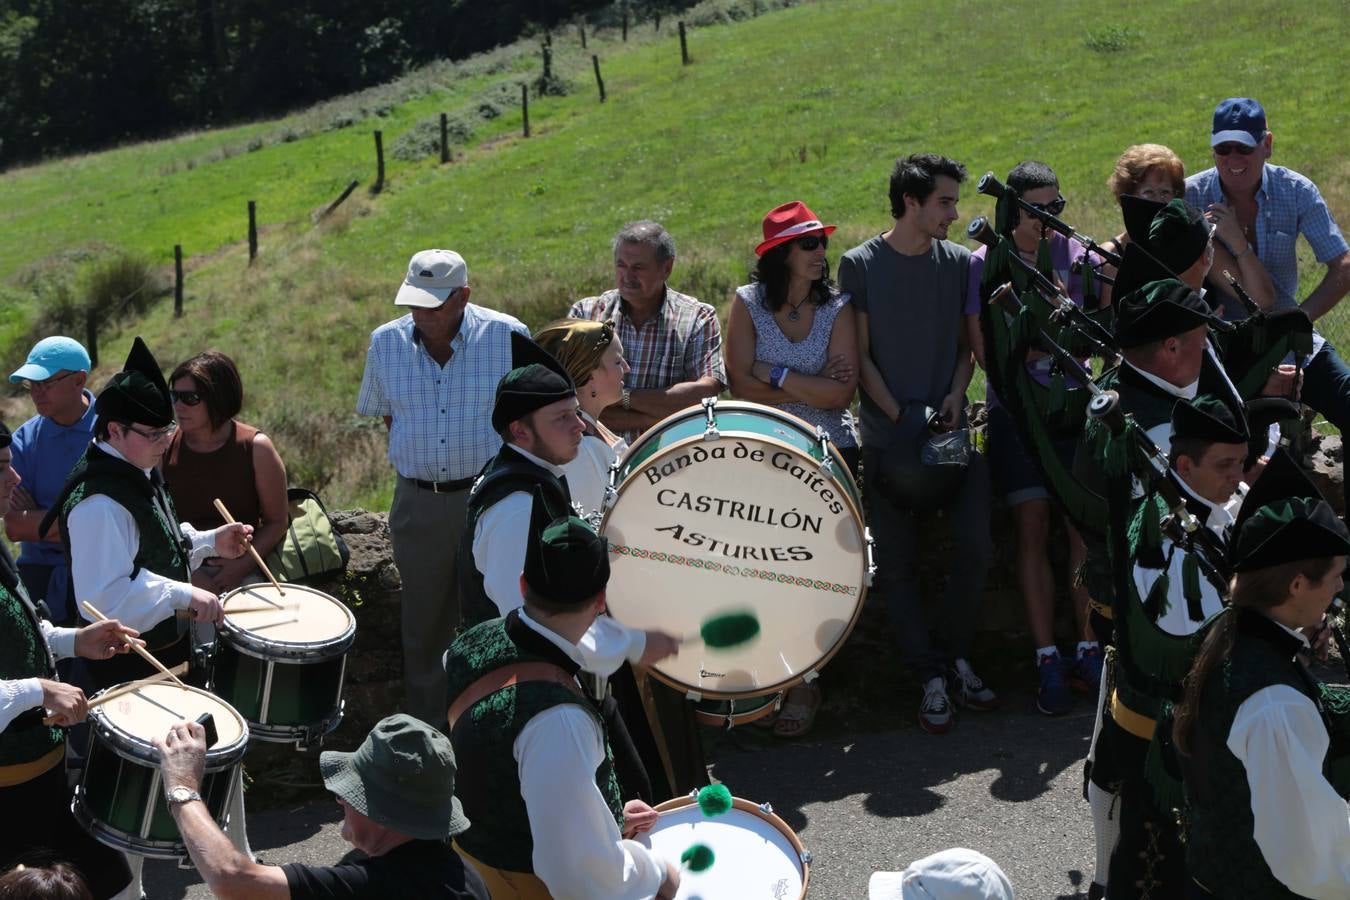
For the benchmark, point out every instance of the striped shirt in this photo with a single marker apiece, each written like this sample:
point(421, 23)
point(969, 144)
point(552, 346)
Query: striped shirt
point(442, 417)
point(1287, 205)
point(682, 342)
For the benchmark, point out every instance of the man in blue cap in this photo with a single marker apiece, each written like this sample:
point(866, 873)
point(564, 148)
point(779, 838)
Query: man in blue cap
point(45, 449)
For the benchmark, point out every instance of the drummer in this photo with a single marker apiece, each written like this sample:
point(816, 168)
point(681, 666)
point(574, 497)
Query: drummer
point(37, 825)
point(541, 786)
point(130, 557)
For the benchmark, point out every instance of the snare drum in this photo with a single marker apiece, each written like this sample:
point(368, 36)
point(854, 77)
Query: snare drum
point(120, 799)
point(756, 855)
point(284, 669)
point(730, 506)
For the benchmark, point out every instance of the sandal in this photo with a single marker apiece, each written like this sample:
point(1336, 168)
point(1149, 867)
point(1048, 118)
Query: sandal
point(799, 711)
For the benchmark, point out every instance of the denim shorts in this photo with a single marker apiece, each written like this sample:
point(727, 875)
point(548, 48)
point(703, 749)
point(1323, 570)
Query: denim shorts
point(1014, 472)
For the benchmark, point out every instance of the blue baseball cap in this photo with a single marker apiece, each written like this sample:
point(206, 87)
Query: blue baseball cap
point(1239, 119)
point(52, 355)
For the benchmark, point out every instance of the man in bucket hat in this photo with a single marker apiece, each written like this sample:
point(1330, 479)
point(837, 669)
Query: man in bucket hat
point(955, 874)
point(397, 797)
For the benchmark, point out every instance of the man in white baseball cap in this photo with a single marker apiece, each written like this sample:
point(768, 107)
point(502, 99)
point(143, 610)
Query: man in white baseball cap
point(955, 874)
point(431, 375)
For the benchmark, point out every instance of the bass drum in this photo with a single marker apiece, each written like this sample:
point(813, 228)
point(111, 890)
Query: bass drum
point(737, 507)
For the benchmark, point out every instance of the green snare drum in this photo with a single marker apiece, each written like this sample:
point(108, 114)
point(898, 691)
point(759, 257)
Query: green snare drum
point(281, 660)
point(120, 799)
point(732, 506)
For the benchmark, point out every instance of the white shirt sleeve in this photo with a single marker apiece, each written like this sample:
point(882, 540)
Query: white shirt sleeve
point(18, 696)
point(103, 545)
point(203, 545)
point(606, 644)
point(499, 549)
point(578, 851)
point(1302, 824)
point(61, 641)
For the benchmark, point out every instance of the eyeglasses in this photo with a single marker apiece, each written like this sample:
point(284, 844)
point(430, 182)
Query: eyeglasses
point(812, 241)
point(34, 386)
point(187, 398)
point(1054, 207)
point(1157, 195)
point(154, 437)
point(1239, 149)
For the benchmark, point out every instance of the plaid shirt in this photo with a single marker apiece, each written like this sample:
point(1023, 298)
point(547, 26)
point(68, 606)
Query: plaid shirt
point(682, 342)
point(442, 428)
point(1287, 205)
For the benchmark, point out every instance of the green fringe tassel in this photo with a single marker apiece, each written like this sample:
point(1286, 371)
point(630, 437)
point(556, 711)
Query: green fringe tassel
point(1059, 393)
point(1161, 768)
point(1190, 578)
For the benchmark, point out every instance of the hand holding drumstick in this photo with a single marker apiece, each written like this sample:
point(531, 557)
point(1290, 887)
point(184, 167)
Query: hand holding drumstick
point(247, 544)
point(101, 640)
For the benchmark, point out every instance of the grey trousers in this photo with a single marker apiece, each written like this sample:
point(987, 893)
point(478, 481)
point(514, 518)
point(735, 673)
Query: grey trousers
point(426, 528)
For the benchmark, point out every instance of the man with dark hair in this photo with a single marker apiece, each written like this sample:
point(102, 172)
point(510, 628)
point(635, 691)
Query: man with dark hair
point(429, 374)
point(672, 342)
point(908, 286)
point(541, 781)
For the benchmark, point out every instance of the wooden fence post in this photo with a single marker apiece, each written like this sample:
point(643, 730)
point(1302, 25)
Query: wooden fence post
point(338, 202)
point(445, 138)
point(600, 82)
point(177, 281)
point(379, 163)
point(656, 22)
point(91, 335)
point(625, 23)
point(684, 45)
point(525, 107)
point(581, 30)
point(252, 231)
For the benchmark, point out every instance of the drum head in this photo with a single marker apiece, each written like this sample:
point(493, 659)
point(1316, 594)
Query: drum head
point(746, 522)
point(756, 855)
point(148, 712)
point(304, 616)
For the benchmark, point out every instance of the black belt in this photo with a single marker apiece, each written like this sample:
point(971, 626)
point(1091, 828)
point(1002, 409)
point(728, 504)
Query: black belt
point(443, 487)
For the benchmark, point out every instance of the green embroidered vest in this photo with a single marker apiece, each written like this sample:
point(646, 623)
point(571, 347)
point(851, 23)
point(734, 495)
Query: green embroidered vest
point(23, 654)
point(162, 547)
point(1221, 851)
point(489, 783)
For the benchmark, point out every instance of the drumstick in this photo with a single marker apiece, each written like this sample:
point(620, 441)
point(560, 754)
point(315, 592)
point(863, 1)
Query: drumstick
point(141, 651)
point(251, 549)
point(235, 611)
point(127, 688)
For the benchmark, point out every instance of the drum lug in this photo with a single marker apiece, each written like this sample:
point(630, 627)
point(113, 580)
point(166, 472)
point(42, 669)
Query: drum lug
point(826, 460)
point(810, 676)
point(693, 696)
point(871, 558)
point(806, 857)
point(766, 808)
point(710, 410)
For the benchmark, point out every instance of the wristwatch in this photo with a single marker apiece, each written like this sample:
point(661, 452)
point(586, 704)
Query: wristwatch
point(626, 399)
point(182, 795)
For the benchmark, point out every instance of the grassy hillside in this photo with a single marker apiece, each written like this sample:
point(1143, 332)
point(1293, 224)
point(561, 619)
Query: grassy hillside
point(810, 102)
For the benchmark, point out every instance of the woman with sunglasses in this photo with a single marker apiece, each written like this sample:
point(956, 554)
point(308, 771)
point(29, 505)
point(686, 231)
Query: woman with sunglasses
point(213, 455)
point(790, 343)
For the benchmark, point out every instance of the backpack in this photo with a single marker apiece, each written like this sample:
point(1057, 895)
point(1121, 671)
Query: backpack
point(312, 548)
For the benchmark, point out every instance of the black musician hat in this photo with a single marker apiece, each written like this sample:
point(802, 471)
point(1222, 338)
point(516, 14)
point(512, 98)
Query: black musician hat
point(138, 393)
point(566, 562)
point(1161, 309)
point(1168, 238)
point(1285, 518)
point(1208, 419)
point(535, 381)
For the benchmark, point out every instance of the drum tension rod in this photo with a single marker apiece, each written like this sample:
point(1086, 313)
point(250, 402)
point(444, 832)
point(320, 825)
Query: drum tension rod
point(710, 411)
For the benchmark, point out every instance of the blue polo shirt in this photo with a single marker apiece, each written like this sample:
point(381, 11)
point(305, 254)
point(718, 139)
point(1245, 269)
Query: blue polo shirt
point(44, 453)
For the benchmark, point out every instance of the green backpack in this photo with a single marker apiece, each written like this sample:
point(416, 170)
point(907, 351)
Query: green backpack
point(312, 548)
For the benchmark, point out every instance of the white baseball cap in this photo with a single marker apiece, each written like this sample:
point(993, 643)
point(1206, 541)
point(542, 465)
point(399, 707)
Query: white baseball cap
point(433, 275)
point(955, 874)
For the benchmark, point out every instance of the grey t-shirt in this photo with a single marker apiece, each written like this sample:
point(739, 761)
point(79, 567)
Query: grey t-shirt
point(913, 305)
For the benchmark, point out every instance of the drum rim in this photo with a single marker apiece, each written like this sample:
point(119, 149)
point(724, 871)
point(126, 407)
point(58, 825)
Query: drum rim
point(244, 640)
point(803, 858)
point(707, 717)
point(133, 748)
point(125, 841)
point(843, 636)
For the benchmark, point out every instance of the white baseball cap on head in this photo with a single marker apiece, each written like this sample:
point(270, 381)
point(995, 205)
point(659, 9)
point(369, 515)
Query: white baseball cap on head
point(955, 874)
point(433, 275)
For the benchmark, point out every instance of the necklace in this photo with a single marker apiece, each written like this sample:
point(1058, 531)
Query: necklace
point(793, 315)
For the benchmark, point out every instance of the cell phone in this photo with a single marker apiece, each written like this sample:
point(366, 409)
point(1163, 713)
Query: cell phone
point(208, 722)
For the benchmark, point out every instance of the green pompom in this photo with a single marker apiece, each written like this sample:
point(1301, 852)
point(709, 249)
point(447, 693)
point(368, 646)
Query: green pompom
point(698, 857)
point(729, 630)
point(714, 800)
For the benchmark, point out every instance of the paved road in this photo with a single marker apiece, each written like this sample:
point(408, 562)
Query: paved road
point(1007, 783)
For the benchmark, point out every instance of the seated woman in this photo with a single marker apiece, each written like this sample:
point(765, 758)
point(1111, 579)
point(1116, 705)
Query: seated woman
point(214, 456)
point(790, 343)
point(593, 355)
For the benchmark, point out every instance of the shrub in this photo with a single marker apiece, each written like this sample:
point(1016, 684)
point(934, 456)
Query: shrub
point(424, 138)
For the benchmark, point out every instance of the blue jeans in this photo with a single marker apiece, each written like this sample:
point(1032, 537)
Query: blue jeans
point(896, 535)
point(1326, 388)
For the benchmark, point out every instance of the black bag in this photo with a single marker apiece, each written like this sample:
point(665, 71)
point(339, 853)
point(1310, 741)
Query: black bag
point(312, 547)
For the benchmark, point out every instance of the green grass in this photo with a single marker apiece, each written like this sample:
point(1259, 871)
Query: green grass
point(812, 102)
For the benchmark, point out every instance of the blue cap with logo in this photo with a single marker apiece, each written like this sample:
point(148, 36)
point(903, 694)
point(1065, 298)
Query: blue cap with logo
point(1239, 119)
point(52, 355)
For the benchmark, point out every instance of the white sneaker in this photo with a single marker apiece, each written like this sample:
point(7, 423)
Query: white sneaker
point(971, 691)
point(935, 712)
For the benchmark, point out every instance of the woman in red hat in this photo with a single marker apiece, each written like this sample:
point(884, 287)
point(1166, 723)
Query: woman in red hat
point(790, 343)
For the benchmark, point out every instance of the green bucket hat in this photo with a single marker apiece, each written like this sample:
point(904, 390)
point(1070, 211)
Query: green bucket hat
point(402, 777)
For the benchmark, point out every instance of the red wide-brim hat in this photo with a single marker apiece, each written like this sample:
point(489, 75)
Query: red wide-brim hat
point(791, 220)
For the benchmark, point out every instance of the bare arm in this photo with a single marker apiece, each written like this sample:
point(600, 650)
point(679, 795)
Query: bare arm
point(1334, 286)
point(740, 346)
point(23, 518)
point(872, 382)
point(975, 337)
point(651, 405)
point(834, 386)
point(269, 479)
point(955, 401)
point(1231, 244)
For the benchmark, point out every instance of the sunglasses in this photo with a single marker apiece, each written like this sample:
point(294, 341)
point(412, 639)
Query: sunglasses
point(187, 398)
point(812, 241)
point(154, 437)
point(44, 385)
point(1054, 207)
point(1239, 149)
